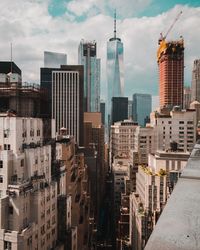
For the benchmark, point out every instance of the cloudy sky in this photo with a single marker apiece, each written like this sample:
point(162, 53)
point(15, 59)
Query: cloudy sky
point(58, 25)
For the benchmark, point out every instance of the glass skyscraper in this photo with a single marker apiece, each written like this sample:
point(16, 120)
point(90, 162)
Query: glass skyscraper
point(54, 59)
point(141, 108)
point(87, 58)
point(115, 70)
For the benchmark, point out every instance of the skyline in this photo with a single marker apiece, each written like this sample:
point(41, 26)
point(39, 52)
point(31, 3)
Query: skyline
point(49, 31)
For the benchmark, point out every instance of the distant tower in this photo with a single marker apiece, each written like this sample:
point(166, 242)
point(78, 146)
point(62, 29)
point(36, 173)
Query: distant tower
point(170, 57)
point(87, 57)
point(115, 69)
point(54, 59)
point(196, 81)
point(141, 108)
point(119, 109)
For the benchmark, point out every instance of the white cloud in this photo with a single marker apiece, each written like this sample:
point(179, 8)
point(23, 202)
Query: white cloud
point(125, 8)
point(32, 30)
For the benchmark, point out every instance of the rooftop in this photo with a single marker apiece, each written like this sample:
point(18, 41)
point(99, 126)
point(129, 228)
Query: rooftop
point(179, 224)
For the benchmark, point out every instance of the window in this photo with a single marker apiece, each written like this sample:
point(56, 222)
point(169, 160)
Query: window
point(6, 146)
point(181, 122)
point(22, 162)
point(1, 164)
point(42, 230)
point(6, 133)
point(1, 179)
point(10, 210)
point(31, 132)
point(53, 231)
point(7, 245)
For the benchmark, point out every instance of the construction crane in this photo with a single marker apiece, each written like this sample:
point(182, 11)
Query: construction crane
point(162, 38)
point(162, 43)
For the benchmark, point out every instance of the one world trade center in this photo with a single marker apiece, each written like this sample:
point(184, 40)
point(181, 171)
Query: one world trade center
point(115, 70)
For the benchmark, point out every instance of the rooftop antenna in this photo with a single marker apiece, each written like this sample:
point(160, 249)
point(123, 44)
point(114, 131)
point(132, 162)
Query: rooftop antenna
point(11, 57)
point(115, 24)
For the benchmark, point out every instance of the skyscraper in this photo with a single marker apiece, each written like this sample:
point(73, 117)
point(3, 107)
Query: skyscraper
point(67, 100)
point(196, 81)
point(141, 108)
point(54, 59)
point(87, 57)
point(119, 109)
point(170, 57)
point(115, 69)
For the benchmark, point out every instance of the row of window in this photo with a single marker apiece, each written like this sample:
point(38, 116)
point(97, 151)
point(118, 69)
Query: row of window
point(24, 134)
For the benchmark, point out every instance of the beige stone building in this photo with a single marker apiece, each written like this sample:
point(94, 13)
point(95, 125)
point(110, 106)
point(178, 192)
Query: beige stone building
point(28, 203)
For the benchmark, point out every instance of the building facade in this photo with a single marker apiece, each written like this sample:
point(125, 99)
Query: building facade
point(67, 100)
point(196, 81)
point(28, 203)
point(103, 111)
point(119, 109)
point(170, 58)
point(177, 125)
point(87, 56)
point(141, 108)
point(154, 185)
point(122, 138)
point(187, 97)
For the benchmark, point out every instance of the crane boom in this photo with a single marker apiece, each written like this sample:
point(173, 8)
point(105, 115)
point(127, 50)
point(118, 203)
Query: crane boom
point(172, 25)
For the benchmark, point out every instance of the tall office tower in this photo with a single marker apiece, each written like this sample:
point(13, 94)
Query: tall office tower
point(28, 193)
point(196, 81)
point(119, 109)
point(141, 108)
point(115, 70)
point(103, 111)
point(170, 58)
point(187, 97)
point(54, 59)
point(87, 56)
point(67, 100)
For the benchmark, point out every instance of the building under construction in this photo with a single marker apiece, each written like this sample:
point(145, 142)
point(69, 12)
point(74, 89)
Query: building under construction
point(22, 98)
point(170, 59)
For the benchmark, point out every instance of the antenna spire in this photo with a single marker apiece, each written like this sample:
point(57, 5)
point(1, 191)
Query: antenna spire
point(115, 31)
